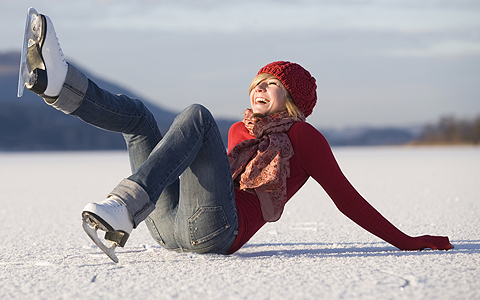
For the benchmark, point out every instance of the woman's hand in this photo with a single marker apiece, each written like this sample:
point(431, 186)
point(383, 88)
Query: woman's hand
point(434, 242)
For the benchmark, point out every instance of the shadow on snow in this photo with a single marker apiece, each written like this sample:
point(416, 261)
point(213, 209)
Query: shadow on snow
point(348, 249)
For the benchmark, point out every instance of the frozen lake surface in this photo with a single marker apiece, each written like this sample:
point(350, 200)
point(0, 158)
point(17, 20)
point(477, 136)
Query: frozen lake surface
point(313, 252)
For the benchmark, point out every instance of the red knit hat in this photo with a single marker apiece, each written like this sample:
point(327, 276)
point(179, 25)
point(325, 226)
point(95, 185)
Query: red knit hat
point(298, 81)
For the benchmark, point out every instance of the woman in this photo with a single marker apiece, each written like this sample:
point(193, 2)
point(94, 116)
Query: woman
point(192, 195)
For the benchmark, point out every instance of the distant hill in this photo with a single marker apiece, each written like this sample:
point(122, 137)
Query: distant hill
point(370, 136)
point(28, 124)
point(450, 131)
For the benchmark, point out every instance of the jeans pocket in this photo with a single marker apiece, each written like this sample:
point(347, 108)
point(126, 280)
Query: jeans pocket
point(206, 224)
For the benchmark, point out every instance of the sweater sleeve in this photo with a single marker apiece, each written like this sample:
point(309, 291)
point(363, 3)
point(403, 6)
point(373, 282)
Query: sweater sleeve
point(319, 162)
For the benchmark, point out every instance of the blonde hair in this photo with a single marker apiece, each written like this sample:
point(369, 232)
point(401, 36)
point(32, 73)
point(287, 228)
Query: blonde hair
point(292, 108)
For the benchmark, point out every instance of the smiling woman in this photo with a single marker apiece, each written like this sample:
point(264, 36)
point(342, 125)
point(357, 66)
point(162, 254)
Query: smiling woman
point(269, 79)
point(268, 96)
point(192, 194)
point(291, 78)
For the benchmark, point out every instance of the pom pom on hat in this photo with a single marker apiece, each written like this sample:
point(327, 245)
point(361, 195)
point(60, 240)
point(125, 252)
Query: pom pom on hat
point(298, 81)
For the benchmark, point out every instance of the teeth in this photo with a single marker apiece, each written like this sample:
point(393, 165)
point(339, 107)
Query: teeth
point(260, 100)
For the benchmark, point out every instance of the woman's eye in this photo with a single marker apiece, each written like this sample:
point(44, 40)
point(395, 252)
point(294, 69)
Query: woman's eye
point(273, 82)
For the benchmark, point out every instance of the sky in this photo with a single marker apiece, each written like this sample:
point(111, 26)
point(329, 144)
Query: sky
point(377, 63)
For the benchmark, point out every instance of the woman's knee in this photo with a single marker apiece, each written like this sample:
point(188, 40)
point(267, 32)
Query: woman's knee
point(198, 111)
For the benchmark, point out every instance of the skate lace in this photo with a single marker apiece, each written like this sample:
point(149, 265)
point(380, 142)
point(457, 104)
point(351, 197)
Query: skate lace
point(59, 48)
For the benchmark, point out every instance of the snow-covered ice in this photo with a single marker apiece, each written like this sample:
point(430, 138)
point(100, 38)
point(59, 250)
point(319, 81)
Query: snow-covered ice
point(313, 252)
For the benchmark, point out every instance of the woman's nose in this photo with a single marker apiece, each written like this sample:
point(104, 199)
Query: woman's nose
point(260, 87)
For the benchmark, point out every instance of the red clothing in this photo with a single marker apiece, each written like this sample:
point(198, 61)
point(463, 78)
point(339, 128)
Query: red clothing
point(313, 157)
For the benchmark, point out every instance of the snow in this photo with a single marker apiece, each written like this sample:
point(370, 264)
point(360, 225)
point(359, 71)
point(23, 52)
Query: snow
point(313, 252)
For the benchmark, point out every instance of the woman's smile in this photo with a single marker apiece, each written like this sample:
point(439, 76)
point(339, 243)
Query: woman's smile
point(268, 97)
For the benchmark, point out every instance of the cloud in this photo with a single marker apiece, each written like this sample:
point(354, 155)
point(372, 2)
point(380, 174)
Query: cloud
point(278, 16)
point(446, 48)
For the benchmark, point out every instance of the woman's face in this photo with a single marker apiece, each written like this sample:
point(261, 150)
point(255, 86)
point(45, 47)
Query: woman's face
point(268, 97)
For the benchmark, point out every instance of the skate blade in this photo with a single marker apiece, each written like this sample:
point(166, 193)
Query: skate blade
point(91, 228)
point(24, 74)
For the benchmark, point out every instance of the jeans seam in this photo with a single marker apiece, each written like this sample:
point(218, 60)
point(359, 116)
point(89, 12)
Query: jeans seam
point(161, 242)
point(176, 167)
point(74, 90)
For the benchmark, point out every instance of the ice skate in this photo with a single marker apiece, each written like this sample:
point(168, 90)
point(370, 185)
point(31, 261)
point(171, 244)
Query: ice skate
point(42, 66)
point(112, 217)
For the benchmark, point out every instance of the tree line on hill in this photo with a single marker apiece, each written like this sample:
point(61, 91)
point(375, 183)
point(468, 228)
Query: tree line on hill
point(28, 124)
point(450, 130)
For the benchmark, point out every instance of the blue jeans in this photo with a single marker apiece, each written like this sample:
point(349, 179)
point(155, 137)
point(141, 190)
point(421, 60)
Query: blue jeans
point(181, 183)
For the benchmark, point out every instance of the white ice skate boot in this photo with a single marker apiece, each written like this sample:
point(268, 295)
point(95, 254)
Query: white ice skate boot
point(112, 217)
point(42, 66)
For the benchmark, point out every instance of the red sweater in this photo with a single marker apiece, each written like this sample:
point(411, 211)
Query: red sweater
point(313, 157)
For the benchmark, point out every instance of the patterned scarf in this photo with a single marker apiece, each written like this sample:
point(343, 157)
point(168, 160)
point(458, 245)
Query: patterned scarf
point(262, 164)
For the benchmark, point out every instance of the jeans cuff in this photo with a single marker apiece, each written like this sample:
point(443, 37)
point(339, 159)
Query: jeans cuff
point(135, 198)
point(72, 93)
